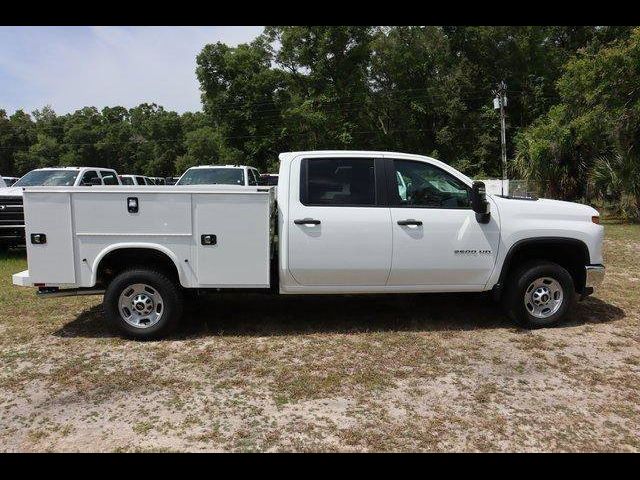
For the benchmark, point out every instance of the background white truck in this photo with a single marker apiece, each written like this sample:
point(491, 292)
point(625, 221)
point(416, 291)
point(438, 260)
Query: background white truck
point(220, 175)
point(346, 223)
point(11, 211)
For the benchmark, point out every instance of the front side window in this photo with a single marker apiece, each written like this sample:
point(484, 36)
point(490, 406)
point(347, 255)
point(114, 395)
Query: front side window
point(421, 184)
point(48, 178)
point(212, 176)
point(126, 180)
point(108, 178)
point(140, 181)
point(338, 181)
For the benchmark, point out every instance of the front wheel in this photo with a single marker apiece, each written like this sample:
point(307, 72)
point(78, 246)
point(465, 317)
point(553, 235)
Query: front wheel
point(143, 304)
point(539, 294)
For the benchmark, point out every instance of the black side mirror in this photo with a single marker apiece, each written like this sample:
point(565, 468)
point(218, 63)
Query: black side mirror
point(479, 202)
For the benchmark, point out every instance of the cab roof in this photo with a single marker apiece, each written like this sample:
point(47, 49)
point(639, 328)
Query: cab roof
point(220, 166)
point(74, 168)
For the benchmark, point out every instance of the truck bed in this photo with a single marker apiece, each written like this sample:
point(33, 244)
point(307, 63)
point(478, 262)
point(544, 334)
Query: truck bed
point(83, 224)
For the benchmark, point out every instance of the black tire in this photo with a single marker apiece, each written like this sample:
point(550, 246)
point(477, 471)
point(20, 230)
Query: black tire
point(521, 279)
point(171, 305)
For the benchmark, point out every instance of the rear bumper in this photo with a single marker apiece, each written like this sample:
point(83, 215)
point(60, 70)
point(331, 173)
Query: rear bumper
point(22, 279)
point(594, 276)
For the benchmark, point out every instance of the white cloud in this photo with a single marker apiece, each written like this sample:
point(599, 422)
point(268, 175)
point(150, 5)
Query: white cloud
point(71, 67)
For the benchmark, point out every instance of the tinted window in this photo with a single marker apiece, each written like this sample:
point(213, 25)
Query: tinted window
point(253, 180)
point(56, 178)
point(424, 185)
point(140, 181)
point(108, 178)
point(90, 177)
point(338, 181)
point(212, 176)
point(126, 180)
point(269, 180)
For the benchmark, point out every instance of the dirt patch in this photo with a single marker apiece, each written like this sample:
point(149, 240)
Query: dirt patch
point(368, 373)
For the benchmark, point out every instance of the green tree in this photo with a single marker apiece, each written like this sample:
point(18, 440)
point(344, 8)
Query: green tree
point(594, 132)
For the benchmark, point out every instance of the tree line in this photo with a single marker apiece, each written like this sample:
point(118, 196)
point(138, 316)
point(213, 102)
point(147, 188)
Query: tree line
point(573, 115)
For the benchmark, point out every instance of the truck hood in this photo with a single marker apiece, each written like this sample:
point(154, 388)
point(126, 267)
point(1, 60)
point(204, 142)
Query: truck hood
point(11, 192)
point(544, 208)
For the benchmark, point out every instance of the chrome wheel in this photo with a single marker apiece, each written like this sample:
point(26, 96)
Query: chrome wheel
point(543, 297)
point(140, 305)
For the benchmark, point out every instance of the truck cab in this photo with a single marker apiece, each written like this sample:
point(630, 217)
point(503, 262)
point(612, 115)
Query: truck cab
point(11, 203)
point(339, 222)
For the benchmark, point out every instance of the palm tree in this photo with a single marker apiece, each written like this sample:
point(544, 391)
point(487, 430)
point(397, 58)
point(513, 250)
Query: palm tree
point(617, 178)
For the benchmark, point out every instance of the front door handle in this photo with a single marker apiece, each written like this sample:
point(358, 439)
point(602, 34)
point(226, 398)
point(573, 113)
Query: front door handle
point(307, 221)
point(410, 221)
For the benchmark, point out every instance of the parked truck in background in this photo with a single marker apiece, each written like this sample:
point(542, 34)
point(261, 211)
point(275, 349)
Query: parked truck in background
point(346, 222)
point(11, 210)
point(8, 181)
point(220, 175)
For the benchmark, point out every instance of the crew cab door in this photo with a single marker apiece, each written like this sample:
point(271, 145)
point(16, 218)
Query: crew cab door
point(437, 240)
point(339, 228)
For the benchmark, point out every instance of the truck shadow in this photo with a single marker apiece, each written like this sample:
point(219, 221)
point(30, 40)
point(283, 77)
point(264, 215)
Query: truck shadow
point(265, 315)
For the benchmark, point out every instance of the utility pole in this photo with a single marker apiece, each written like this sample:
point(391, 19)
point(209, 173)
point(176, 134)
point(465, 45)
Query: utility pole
point(499, 103)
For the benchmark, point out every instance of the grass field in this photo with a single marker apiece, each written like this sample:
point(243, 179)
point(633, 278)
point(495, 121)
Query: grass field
point(374, 373)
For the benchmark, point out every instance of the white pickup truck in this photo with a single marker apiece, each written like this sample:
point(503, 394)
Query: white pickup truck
point(346, 222)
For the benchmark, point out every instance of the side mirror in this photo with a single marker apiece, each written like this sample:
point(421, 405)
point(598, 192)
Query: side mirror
point(479, 202)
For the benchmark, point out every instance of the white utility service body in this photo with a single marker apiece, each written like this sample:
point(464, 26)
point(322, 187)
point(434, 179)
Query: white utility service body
point(392, 238)
point(84, 224)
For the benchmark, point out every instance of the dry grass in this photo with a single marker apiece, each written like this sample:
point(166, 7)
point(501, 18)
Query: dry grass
point(373, 373)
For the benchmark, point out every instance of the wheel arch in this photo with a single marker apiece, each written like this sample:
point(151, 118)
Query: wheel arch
point(146, 253)
point(570, 253)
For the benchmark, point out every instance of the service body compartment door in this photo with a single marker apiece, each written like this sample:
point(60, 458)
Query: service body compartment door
point(231, 234)
point(49, 213)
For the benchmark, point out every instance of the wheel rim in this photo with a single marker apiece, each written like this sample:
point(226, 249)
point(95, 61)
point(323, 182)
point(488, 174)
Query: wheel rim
point(140, 305)
point(543, 297)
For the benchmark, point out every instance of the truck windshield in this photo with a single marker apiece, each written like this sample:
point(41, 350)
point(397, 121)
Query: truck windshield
point(54, 178)
point(212, 176)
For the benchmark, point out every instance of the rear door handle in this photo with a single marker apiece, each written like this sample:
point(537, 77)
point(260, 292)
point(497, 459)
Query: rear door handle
point(307, 221)
point(410, 221)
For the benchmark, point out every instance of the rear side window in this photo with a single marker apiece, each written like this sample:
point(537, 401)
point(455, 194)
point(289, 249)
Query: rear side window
point(108, 178)
point(126, 180)
point(90, 177)
point(140, 181)
point(338, 181)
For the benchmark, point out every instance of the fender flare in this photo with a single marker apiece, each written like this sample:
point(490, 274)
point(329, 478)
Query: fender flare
point(526, 242)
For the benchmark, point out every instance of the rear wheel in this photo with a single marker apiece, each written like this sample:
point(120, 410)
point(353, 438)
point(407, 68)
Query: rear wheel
point(143, 304)
point(539, 294)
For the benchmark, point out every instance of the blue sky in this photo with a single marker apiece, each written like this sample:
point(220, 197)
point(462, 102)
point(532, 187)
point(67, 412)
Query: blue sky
point(72, 67)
